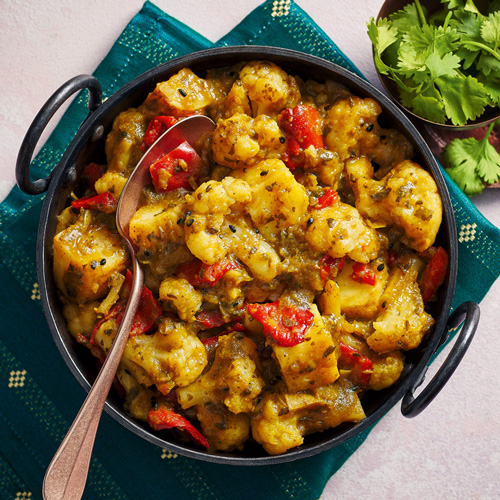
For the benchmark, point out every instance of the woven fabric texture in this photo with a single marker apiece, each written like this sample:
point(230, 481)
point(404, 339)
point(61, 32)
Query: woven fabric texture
point(39, 395)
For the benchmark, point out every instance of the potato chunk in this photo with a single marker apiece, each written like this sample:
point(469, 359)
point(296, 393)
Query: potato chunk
point(233, 377)
point(182, 94)
point(157, 221)
point(224, 430)
point(361, 300)
point(86, 254)
point(311, 363)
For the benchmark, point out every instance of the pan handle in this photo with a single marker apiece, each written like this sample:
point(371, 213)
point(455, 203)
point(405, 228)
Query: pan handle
point(468, 313)
point(40, 122)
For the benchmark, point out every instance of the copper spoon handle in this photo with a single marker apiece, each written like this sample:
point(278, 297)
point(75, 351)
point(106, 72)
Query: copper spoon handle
point(67, 473)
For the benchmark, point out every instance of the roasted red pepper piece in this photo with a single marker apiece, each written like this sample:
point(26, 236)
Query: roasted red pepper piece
point(104, 202)
point(163, 418)
point(176, 169)
point(157, 126)
point(303, 128)
point(202, 275)
point(361, 366)
point(363, 273)
point(91, 173)
point(330, 267)
point(285, 324)
point(434, 272)
point(327, 199)
point(210, 319)
point(148, 312)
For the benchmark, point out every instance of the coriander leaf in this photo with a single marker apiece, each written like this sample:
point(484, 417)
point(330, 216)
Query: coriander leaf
point(464, 98)
point(429, 108)
point(439, 66)
point(488, 166)
point(470, 7)
point(426, 103)
point(404, 19)
point(468, 26)
point(462, 165)
point(490, 30)
point(488, 65)
point(410, 62)
point(492, 86)
point(381, 34)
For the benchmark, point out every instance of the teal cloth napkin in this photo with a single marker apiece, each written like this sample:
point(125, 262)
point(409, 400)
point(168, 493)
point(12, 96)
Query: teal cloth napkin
point(40, 397)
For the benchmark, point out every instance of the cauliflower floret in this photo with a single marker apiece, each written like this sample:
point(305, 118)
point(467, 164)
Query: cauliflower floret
point(403, 322)
point(241, 141)
point(236, 101)
point(114, 182)
point(339, 230)
point(184, 298)
point(207, 208)
point(173, 355)
point(351, 125)
point(407, 197)
point(386, 370)
point(269, 88)
point(279, 201)
point(123, 144)
point(284, 418)
point(181, 95)
point(232, 378)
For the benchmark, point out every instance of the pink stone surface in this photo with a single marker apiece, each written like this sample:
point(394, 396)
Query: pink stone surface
point(451, 450)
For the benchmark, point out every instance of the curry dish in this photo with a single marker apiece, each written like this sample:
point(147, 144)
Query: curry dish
point(289, 257)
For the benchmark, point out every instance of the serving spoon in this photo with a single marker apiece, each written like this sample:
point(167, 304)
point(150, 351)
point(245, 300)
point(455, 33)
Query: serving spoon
point(67, 472)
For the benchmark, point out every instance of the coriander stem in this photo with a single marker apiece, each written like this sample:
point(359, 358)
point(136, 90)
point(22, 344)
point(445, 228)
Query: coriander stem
point(420, 13)
point(484, 47)
point(447, 20)
point(488, 132)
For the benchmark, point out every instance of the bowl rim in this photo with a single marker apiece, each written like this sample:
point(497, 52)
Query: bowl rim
point(64, 172)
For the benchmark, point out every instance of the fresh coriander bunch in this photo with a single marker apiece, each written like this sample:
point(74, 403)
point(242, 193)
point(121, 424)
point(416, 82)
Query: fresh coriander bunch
point(446, 64)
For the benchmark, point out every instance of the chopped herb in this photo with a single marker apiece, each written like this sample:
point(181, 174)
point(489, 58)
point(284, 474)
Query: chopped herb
point(189, 222)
